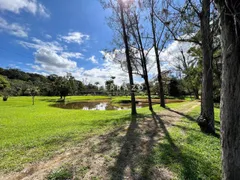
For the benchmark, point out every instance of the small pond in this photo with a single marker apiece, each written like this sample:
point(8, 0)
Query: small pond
point(97, 105)
point(106, 105)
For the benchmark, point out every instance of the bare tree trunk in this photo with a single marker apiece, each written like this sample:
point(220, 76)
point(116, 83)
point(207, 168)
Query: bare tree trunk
point(149, 93)
point(144, 65)
point(196, 94)
point(127, 52)
point(230, 92)
point(145, 74)
point(32, 100)
point(160, 83)
point(206, 120)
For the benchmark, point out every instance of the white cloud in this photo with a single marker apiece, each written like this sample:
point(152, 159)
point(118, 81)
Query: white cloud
point(47, 36)
point(51, 57)
point(50, 45)
point(17, 5)
point(13, 29)
point(31, 6)
point(109, 68)
point(43, 11)
point(76, 55)
point(52, 62)
point(93, 60)
point(74, 37)
point(173, 52)
point(39, 44)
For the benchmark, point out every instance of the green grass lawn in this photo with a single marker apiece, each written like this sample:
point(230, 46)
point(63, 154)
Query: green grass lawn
point(188, 152)
point(30, 133)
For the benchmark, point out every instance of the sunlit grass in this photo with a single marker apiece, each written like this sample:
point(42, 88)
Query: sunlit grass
point(30, 133)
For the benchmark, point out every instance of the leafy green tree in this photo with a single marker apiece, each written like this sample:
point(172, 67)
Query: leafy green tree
point(110, 86)
point(80, 87)
point(72, 84)
point(63, 87)
point(33, 91)
point(174, 88)
point(3, 83)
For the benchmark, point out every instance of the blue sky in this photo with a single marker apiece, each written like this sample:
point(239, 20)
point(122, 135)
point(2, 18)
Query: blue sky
point(76, 31)
point(60, 36)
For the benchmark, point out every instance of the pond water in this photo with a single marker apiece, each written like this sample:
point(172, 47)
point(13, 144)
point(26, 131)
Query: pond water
point(96, 105)
point(107, 105)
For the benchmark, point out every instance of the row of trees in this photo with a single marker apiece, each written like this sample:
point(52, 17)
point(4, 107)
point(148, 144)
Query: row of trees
point(16, 84)
point(128, 20)
point(143, 25)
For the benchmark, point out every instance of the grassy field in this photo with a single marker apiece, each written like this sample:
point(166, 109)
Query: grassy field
point(30, 133)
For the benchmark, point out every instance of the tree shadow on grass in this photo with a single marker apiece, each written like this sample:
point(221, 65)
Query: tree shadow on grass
point(131, 160)
point(134, 151)
point(190, 118)
point(192, 163)
point(127, 150)
point(50, 100)
point(138, 160)
point(182, 114)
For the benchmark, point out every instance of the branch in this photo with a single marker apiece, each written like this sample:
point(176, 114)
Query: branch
point(194, 8)
point(173, 34)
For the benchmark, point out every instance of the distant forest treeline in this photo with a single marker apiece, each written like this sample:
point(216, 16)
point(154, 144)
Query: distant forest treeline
point(20, 82)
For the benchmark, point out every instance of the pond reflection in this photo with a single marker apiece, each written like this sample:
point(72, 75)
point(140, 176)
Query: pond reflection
point(96, 105)
point(108, 105)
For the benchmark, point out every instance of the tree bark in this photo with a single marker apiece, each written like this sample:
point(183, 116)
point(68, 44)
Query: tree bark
point(129, 66)
point(196, 94)
point(32, 100)
point(149, 93)
point(207, 112)
point(161, 91)
point(230, 92)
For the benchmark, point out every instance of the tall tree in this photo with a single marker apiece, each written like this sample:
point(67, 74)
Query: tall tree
point(230, 92)
point(193, 13)
point(141, 51)
point(119, 9)
point(207, 111)
point(158, 37)
point(127, 52)
point(33, 91)
point(63, 86)
point(3, 83)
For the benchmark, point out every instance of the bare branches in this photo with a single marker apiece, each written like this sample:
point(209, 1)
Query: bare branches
point(194, 8)
point(174, 33)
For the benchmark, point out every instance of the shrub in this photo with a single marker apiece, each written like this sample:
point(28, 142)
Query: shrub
point(5, 98)
point(63, 173)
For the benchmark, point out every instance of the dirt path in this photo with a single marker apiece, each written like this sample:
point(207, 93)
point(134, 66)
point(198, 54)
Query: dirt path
point(120, 154)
